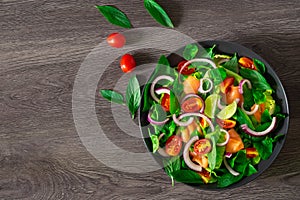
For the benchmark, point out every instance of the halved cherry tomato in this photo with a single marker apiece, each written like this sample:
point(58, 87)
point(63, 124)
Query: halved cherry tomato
point(186, 70)
point(173, 145)
point(251, 152)
point(116, 40)
point(202, 146)
point(127, 63)
point(228, 82)
point(205, 175)
point(165, 102)
point(232, 94)
point(192, 104)
point(227, 123)
point(235, 142)
point(191, 85)
point(247, 63)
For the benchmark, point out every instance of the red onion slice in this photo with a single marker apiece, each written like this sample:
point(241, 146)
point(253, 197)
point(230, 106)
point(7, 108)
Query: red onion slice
point(242, 83)
point(159, 123)
point(201, 90)
point(247, 130)
point(180, 123)
point(196, 96)
point(228, 155)
point(163, 77)
point(227, 136)
point(252, 111)
point(162, 90)
point(160, 136)
point(234, 173)
point(186, 155)
point(199, 115)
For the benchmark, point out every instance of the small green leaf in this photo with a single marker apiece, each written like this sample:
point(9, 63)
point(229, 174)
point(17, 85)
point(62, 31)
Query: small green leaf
point(250, 170)
point(232, 64)
point(210, 52)
point(259, 96)
point(114, 16)
point(133, 95)
point(190, 51)
point(187, 176)
point(264, 148)
point(112, 96)
point(218, 75)
point(278, 137)
point(243, 118)
point(259, 65)
point(257, 80)
point(266, 117)
point(155, 142)
point(158, 13)
point(174, 104)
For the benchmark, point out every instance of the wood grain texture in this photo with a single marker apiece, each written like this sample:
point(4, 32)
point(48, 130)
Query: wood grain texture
point(42, 44)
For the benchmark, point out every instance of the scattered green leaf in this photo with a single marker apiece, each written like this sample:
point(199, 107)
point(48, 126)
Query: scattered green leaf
point(112, 96)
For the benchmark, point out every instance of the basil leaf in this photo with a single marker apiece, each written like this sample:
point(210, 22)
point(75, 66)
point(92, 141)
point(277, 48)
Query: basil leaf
point(187, 176)
point(243, 118)
point(266, 117)
point(259, 65)
point(233, 74)
point(174, 104)
point(263, 126)
point(257, 80)
point(259, 97)
point(210, 52)
point(232, 64)
point(250, 170)
point(219, 158)
point(114, 16)
point(248, 97)
point(158, 113)
point(171, 166)
point(112, 96)
point(158, 13)
point(264, 148)
point(155, 143)
point(218, 75)
point(190, 51)
point(133, 95)
point(212, 155)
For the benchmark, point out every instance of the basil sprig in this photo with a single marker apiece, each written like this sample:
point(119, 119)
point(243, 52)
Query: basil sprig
point(158, 13)
point(114, 16)
point(113, 96)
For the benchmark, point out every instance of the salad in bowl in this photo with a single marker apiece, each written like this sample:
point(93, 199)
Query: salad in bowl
point(215, 118)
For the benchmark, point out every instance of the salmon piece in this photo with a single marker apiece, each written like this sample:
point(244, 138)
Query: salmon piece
point(235, 142)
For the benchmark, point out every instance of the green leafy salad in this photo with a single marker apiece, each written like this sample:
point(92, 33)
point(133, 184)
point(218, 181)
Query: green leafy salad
point(212, 116)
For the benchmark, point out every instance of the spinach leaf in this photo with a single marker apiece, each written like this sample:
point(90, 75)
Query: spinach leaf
point(212, 155)
point(219, 158)
point(243, 118)
point(278, 137)
point(133, 95)
point(158, 113)
point(263, 126)
point(158, 13)
point(232, 64)
point(112, 96)
point(264, 148)
point(228, 179)
point(237, 77)
point(266, 117)
point(114, 16)
point(174, 104)
point(210, 52)
point(190, 51)
point(259, 96)
point(217, 75)
point(259, 65)
point(250, 170)
point(171, 166)
point(187, 176)
point(248, 98)
point(154, 140)
point(257, 80)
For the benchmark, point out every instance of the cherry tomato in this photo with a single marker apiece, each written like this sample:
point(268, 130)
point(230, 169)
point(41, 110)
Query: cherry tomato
point(186, 70)
point(202, 146)
point(165, 102)
point(127, 63)
point(116, 40)
point(251, 152)
point(247, 63)
point(192, 104)
point(173, 145)
point(228, 82)
point(232, 94)
point(227, 123)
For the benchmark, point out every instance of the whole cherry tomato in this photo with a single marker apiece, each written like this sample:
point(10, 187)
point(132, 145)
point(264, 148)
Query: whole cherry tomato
point(116, 40)
point(127, 63)
point(186, 70)
point(173, 145)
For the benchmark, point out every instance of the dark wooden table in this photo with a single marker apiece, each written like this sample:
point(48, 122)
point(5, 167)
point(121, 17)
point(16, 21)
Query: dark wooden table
point(43, 44)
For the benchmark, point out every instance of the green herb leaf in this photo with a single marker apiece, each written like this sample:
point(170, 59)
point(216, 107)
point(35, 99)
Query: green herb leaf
point(248, 97)
point(190, 51)
point(133, 95)
point(114, 16)
point(158, 113)
point(257, 80)
point(232, 64)
point(217, 75)
point(259, 65)
point(219, 158)
point(277, 138)
point(174, 104)
point(158, 13)
point(112, 96)
point(243, 118)
point(187, 176)
point(259, 96)
point(250, 170)
point(233, 74)
point(171, 166)
point(155, 142)
point(266, 117)
point(210, 52)
point(212, 155)
point(264, 148)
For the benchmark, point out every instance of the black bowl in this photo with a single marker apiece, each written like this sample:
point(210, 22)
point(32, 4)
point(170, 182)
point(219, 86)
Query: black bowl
point(230, 48)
